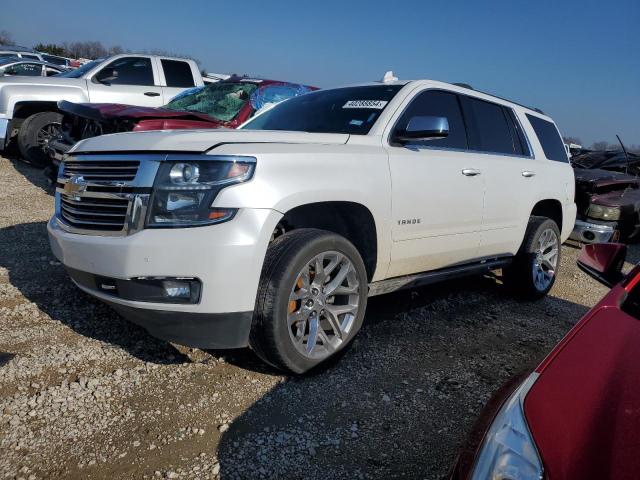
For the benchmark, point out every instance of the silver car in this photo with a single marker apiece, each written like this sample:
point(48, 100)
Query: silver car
point(11, 66)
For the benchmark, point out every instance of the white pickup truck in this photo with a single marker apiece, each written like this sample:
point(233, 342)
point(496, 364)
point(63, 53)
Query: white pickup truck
point(28, 105)
point(275, 235)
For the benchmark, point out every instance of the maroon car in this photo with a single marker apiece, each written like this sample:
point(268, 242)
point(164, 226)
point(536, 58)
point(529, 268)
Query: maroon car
point(577, 416)
point(225, 104)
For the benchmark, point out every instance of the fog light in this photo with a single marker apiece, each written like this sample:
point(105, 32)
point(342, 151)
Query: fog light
point(177, 288)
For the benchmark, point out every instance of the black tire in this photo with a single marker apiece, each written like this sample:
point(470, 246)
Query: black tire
point(520, 275)
point(31, 147)
point(270, 333)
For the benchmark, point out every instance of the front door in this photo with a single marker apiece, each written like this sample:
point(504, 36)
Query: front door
point(127, 80)
point(438, 192)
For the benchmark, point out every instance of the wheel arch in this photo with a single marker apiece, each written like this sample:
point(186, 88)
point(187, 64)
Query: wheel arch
point(352, 220)
point(550, 208)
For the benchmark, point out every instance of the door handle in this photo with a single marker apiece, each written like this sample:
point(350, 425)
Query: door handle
point(152, 94)
point(528, 174)
point(470, 172)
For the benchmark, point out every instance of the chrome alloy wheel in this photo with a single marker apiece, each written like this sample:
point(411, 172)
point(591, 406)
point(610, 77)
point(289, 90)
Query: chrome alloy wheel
point(546, 259)
point(323, 305)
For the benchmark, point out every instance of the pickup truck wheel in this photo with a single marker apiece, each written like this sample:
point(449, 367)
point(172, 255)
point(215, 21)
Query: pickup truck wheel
point(535, 266)
point(311, 300)
point(35, 134)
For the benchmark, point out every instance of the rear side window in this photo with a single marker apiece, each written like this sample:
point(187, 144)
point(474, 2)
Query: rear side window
point(489, 129)
point(549, 139)
point(435, 103)
point(31, 57)
point(519, 137)
point(177, 74)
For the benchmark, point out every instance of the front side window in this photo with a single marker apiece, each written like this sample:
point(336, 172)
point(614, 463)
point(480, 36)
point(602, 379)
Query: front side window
point(177, 73)
point(549, 138)
point(489, 130)
point(436, 103)
point(351, 110)
point(221, 101)
point(55, 60)
point(127, 71)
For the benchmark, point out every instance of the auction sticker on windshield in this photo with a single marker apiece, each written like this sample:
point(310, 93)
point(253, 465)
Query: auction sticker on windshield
point(377, 104)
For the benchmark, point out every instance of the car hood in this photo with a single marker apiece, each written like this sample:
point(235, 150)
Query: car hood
point(584, 409)
point(597, 178)
point(199, 140)
point(42, 81)
point(118, 111)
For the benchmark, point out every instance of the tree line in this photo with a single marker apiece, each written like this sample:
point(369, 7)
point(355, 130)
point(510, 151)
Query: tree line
point(601, 145)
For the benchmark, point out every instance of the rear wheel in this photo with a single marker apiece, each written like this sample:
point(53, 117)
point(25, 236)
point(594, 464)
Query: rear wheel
point(535, 266)
point(35, 134)
point(311, 300)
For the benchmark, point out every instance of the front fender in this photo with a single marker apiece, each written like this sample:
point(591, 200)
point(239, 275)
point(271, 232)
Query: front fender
point(13, 94)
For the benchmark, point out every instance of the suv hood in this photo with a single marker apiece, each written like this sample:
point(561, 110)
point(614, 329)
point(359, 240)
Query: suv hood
point(199, 140)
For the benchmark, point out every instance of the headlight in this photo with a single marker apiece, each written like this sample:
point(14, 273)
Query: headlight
point(185, 189)
point(603, 213)
point(508, 450)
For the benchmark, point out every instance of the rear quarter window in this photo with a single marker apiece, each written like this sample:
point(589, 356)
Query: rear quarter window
point(550, 140)
point(177, 73)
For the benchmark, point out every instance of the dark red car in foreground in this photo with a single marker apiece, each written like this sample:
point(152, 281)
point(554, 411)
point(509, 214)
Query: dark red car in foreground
point(577, 416)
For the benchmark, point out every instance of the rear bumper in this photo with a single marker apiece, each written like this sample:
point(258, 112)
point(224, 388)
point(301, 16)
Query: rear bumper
point(589, 232)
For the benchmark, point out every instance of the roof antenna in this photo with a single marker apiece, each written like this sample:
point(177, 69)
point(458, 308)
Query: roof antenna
point(389, 77)
point(626, 155)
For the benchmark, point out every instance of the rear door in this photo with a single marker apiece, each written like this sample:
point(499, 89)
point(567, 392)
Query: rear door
point(509, 174)
point(131, 80)
point(176, 76)
point(437, 192)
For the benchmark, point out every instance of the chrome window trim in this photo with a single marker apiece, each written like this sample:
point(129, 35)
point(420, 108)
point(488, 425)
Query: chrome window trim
point(458, 150)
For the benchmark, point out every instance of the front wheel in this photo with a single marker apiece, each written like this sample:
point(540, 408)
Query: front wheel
point(35, 134)
point(311, 300)
point(535, 266)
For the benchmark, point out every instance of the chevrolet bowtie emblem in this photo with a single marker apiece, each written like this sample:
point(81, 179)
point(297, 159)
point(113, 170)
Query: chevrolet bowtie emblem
point(75, 186)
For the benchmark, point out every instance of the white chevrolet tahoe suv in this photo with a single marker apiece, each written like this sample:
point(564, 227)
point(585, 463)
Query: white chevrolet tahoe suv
point(274, 235)
point(28, 105)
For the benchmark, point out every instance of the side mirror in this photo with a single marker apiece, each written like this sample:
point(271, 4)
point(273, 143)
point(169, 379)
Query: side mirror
point(423, 128)
point(604, 262)
point(105, 76)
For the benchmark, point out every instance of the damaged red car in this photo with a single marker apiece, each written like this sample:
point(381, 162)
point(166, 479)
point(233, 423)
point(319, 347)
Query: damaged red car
point(225, 104)
point(607, 197)
point(577, 415)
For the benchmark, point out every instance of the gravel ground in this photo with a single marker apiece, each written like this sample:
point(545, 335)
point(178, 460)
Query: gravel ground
point(84, 394)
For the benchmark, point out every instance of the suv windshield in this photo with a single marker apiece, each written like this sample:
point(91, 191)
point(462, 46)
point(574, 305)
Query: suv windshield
point(221, 100)
point(80, 71)
point(351, 110)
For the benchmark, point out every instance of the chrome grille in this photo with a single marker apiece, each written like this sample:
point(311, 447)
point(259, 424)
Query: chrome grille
point(104, 171)
point(94, 213)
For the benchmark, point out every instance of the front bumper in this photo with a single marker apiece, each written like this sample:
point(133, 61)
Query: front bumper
point(4, 132)
point(227, 258)
point(590, 232)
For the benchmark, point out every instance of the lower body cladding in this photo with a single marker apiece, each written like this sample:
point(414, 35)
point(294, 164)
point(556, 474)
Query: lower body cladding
point(591, 232)
point(192, 286)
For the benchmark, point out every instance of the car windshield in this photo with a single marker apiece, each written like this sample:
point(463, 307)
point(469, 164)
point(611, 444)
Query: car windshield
point(351, 110)
point(221, 100)
point(80, 71)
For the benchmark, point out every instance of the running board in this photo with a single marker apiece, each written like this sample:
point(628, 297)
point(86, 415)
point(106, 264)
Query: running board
point(420, 279)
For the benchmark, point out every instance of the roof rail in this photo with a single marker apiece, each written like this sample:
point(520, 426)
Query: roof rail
point(463, 85)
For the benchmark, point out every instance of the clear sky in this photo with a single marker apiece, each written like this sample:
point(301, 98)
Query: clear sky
point(578, 60)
